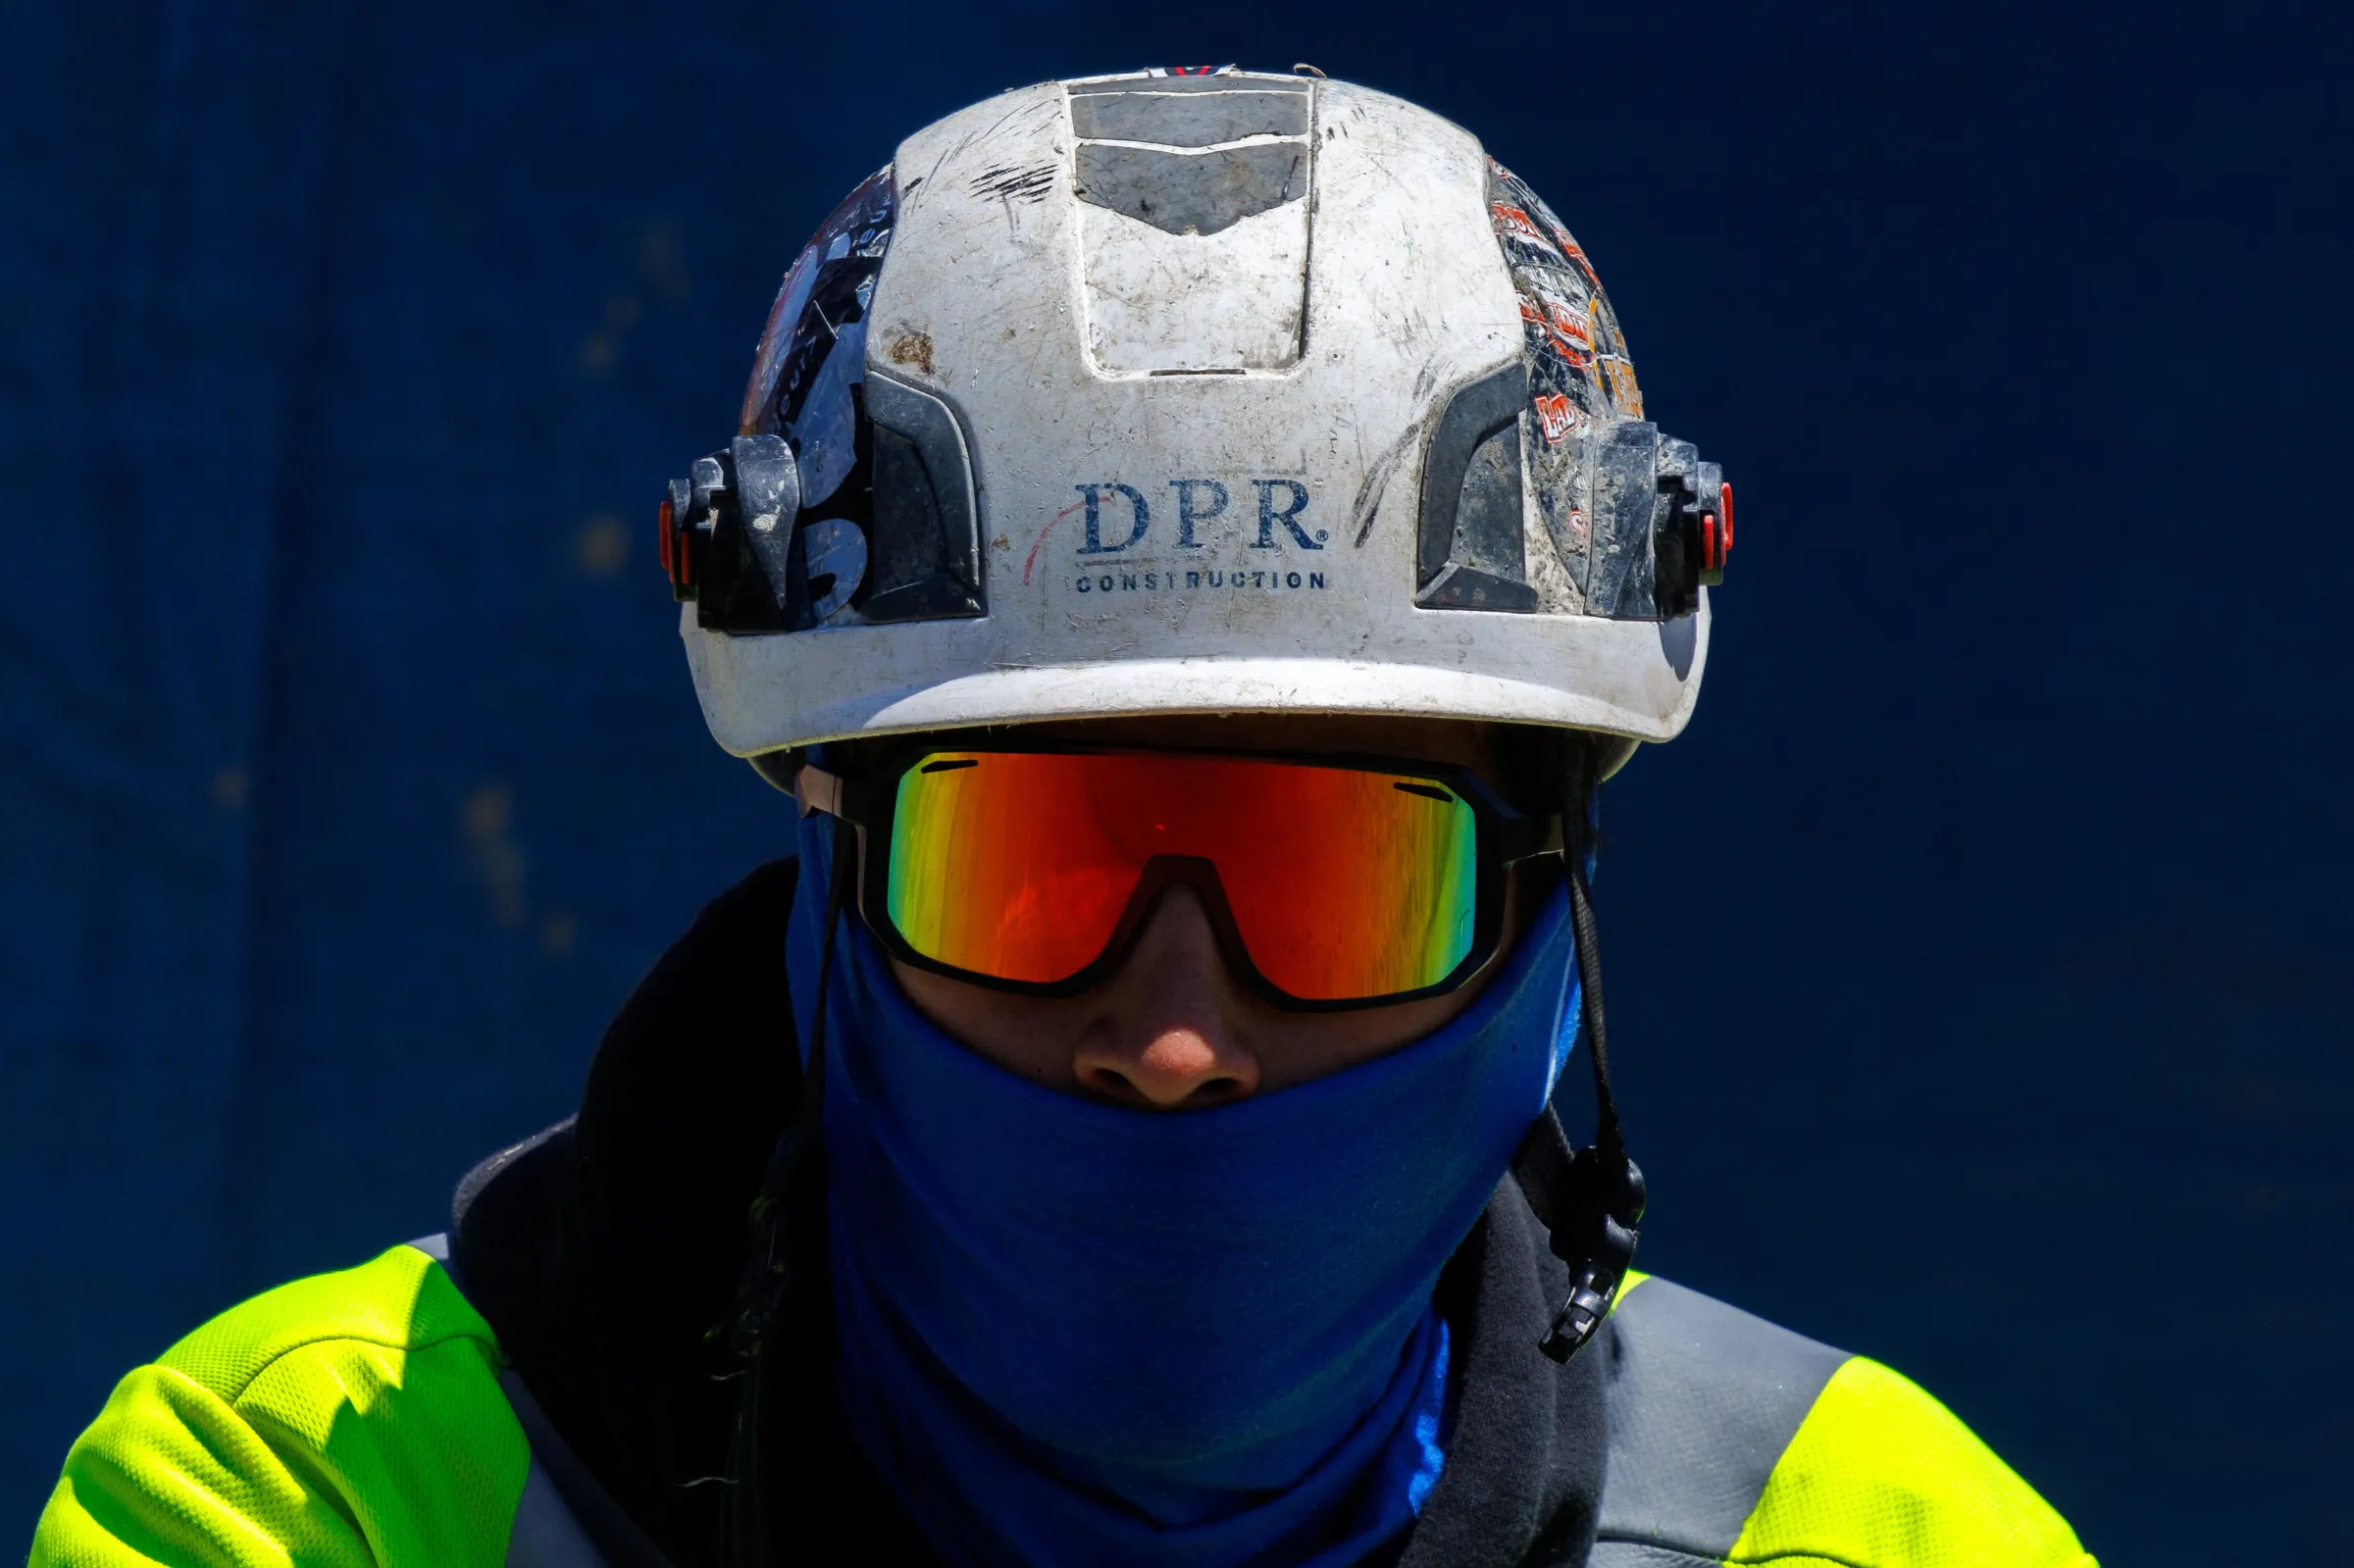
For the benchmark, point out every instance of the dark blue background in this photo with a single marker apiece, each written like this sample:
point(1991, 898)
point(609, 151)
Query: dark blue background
point(1978, 956)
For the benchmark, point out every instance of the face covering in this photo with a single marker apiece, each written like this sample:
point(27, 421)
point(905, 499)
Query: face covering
point(1074, 1333)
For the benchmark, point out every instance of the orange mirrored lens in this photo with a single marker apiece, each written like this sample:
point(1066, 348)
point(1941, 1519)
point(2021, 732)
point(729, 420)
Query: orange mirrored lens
point(1343, 883)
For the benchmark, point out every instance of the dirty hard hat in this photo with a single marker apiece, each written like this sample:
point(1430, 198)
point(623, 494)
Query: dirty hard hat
point(1182, 392)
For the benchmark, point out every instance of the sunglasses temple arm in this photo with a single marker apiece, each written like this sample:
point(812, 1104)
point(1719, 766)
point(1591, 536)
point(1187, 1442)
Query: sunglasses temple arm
point(1533, 840)
point(815, 789)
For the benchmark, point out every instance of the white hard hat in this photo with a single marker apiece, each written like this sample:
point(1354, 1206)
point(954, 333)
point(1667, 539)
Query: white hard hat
point(1193, 394)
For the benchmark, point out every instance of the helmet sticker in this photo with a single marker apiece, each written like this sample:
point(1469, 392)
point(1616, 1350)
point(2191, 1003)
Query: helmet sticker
point(807, 385)
point(837, 550)
point(1578, 371)
point(841, 258)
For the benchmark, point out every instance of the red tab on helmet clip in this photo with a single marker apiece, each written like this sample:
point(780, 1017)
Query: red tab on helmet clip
point(666, 529)
point(1724, 510)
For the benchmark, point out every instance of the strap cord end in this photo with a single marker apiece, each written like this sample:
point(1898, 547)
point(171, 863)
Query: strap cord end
point(1591, 1202)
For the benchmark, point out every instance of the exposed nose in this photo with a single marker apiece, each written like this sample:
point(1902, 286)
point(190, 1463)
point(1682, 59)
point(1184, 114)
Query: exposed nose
point(1168, 1035)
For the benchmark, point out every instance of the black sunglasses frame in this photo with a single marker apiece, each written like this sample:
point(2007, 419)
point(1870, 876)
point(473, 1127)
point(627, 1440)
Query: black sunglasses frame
point(865, 795)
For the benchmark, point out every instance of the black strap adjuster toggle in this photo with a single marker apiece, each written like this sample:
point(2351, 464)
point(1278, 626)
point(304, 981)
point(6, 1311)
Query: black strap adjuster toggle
point(1590, 1205)
point(1592, 1291)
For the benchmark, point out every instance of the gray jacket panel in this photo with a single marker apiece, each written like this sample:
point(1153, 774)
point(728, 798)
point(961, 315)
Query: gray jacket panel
point(1629, 1554)
point(1703, 1399)
point(545, 1533)
point(564, 1519)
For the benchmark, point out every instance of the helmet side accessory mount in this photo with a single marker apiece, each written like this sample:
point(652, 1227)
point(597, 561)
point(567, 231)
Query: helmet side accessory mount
point(847, 497)
point(734, 544)
point(1658, 527)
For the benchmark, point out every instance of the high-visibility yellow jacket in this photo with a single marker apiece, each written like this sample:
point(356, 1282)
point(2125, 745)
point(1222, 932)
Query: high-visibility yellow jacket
point(366, 1419)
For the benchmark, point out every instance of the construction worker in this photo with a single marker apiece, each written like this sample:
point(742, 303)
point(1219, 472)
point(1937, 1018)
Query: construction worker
point(1192, 552)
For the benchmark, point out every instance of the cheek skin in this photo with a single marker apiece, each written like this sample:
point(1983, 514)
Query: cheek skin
point(1171, 1029)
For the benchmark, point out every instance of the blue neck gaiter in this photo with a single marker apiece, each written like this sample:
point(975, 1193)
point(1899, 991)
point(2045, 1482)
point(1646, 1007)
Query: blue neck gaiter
point(1073, 1333)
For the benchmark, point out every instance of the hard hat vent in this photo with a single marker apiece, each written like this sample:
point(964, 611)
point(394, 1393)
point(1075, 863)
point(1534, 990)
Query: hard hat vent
point(1188, 112)
point(1194, 220)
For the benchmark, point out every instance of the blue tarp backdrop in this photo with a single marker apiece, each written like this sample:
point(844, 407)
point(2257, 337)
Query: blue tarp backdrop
point(1978, 960)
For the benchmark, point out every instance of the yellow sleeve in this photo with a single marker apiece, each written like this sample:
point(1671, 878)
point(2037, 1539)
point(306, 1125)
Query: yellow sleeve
point(349, 1421)
point(1883, 1475)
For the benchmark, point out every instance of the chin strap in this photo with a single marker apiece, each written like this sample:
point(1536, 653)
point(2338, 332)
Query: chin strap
point(787, 1222)
point(1590, 1201)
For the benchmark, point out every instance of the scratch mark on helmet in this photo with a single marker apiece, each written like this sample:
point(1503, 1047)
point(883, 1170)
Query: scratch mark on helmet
point(1009, 183)
point(1367, 505)
point(1038, 543)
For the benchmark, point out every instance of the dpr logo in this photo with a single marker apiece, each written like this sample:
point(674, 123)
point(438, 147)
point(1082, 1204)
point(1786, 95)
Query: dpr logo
point(1119, 518)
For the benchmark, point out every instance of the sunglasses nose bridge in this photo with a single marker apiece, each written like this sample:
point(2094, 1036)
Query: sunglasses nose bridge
point(1199, 873)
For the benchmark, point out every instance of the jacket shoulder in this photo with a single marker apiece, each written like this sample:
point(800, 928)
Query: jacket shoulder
point(1700, 1400)
point(1734, 1441)
point(351, 1417)
point(399, 1303)
point(1881, 1475)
